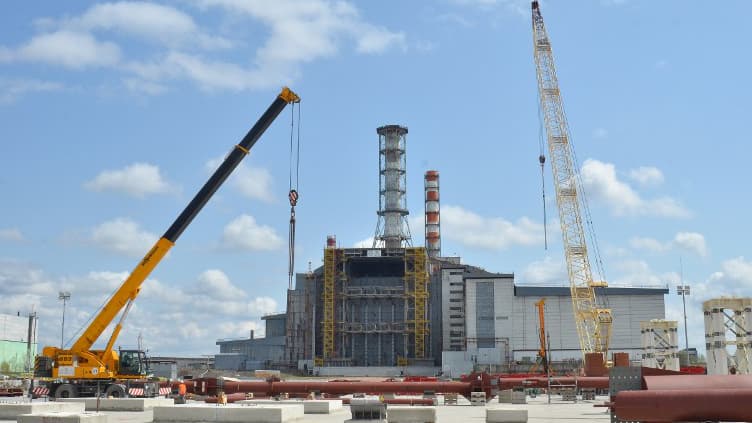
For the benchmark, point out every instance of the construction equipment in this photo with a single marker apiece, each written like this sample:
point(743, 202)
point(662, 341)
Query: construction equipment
point(542, 359)
point(593, 322)
point(81, 371)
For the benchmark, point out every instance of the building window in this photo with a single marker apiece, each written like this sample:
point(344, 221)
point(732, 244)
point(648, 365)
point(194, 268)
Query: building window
point(455, 300)
point(455, 272)
point(455, 308)
point(456, 291)
point(455, 316)
point(456, 325)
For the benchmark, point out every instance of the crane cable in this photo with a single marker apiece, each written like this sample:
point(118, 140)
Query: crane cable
point(293, 194)
point(542, 161)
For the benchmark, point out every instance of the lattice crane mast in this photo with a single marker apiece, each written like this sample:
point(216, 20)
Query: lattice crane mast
point(593, 322)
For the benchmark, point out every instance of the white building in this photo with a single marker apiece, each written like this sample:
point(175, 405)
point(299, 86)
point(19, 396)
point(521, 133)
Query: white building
point(487, 319)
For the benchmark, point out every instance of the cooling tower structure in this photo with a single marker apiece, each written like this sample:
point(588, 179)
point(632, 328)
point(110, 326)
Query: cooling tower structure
point(392, 229)
point(660, 344)
point(728, 322)
point(433, 221)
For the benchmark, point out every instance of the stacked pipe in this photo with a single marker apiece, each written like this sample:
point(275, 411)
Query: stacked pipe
point(687, 398)
point(477, 382)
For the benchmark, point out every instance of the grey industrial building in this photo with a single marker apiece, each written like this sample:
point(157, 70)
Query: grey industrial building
point(248, 354)
point(396, 308)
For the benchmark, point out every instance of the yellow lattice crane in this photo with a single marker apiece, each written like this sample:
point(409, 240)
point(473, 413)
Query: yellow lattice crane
point(593, 322)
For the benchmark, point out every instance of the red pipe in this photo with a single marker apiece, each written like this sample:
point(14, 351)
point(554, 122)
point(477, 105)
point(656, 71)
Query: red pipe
point(727, 405)
point(701, 382)
point(205, 386)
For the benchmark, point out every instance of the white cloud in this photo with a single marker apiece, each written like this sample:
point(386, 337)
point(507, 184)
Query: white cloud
point(123, 236)
point(215, 283)
point(261, 306)
point(138, 180)
point(203, 317)
point(12, 90)
point(636, 273)
point(11, 234)
point(649, 244)
point(138, 85)
point(547, 271)
point(689, 241)
point(296, 33)
point(738, 270)
point(252, 182)
point(493, 233)
point(647, 175)
point(600, 182)
point(244, 233)
point(71, 49)
point(150, 21)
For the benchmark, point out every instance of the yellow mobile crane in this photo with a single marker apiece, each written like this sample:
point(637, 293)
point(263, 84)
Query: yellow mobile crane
point(81, 371)
point(593, 321)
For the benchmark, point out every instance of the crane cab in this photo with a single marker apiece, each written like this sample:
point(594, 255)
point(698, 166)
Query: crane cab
point(132, 363)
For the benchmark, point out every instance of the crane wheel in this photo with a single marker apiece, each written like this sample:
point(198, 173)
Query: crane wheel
point(116, 391)
point(66, 390)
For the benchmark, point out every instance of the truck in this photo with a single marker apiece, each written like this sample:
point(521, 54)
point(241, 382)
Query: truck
point(81, 371)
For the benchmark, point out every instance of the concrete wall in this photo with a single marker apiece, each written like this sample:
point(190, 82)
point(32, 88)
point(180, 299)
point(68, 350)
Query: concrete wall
point(628, 311)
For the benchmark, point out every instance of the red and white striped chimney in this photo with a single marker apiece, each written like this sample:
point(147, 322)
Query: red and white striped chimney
point(433, 224)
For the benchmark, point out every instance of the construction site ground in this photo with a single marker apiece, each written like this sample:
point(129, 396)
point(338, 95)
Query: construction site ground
point(539, 411)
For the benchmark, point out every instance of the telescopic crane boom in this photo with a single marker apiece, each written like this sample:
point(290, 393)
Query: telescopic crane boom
point(593, 323)
point(80, 363)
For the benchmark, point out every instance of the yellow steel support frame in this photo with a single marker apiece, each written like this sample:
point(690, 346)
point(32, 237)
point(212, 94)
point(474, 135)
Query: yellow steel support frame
point(593, 323)
point(330, 271)
point(416, 278)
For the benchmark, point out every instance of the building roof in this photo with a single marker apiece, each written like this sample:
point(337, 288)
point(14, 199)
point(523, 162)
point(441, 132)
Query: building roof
point(565, 291)
point(274, 316)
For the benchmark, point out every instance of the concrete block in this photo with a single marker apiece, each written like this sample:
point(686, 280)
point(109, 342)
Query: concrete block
point(12, 411)
point(309, 406)
point(263, 413)
point(408, 414)
point(505, 415)
point(120, 404)
point(63, 417)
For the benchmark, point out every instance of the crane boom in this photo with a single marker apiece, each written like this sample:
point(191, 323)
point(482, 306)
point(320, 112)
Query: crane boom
point(593, 323)
point(82, 362)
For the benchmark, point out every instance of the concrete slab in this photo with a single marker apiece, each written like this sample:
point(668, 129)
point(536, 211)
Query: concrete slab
point(262, 413)
point(410, 414)
point(63, 417)
point(309, 406)
point(506, 415)
point(120, 404)
point(12, 411)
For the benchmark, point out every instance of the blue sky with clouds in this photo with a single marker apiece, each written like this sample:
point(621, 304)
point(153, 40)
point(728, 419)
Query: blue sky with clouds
point(114, 114)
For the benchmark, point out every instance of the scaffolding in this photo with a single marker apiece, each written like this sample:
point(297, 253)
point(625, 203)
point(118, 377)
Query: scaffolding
point(416, 287)
point(724, 317)
point(330, 270)
point(660, 344)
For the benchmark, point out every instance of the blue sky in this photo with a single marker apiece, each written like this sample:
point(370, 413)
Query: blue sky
point(113, 114)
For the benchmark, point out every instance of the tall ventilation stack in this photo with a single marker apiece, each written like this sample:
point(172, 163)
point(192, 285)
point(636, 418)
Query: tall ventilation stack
point(392, 227)
point(433, 222)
